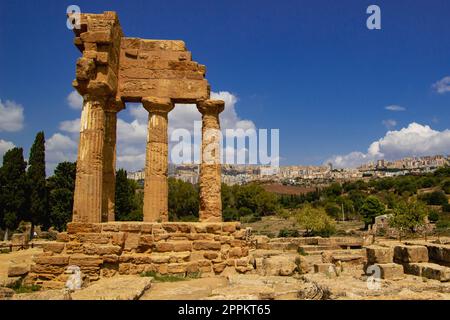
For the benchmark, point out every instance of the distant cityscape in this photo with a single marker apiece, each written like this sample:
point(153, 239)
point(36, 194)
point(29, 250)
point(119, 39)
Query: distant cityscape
point(308, 176)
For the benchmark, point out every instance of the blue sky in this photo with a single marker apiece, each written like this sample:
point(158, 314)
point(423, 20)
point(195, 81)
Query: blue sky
point(310, 68)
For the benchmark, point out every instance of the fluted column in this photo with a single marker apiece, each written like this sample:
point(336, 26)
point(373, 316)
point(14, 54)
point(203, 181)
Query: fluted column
point(109, 159)
point(210, 167)
point(87, 205)
point(156, 190)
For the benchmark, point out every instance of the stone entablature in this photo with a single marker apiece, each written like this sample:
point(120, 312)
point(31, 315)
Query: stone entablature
point(107, 249)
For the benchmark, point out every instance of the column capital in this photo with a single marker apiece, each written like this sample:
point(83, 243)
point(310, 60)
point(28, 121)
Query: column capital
point(114, 105)
point(160, 105)
point(211, 106)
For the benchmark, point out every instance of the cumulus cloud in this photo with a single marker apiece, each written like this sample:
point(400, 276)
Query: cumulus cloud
point(11, 116)
point(5, 146)
point(414, 140)
point(70, 126)
point(394, 107)
point(74, 100)
point(442, 86)
point(389, 123)
point(59, 148)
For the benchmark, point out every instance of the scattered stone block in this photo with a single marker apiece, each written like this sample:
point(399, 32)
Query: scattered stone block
point(390, 271)
point(379, 255)
point(410, 254)
point(324, 268)
point(18, 270)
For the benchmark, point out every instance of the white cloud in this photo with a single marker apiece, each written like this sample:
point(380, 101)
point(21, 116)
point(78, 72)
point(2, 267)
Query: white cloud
point(414, 140)
point(5, 146)
point(443, 85)
point(395, 107)
point(59, 148)
point(11, 116)
point(70, 126)
point(389, 123)
point(74, 100)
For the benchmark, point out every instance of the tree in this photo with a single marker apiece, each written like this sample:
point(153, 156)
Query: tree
point(14, 191)
point(371, 208)
point(183, 200)
point(60, 189)
point(408, 215)
point(36, 178)
point(446, 186)
point(315, 221)
point(255, 198)
point(125, 197)
point(435, 198)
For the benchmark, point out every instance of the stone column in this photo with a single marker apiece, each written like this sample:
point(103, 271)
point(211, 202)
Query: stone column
point(109, 160)
point(87, 206)
point(210, 168)
point(156, 188)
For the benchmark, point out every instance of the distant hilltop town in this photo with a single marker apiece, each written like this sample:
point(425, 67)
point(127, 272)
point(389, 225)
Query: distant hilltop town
point(308, 175)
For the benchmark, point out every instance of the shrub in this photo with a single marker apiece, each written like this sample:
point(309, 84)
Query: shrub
point(446, 207)
point(435, 198)
point(286, 233)
point(433, 216)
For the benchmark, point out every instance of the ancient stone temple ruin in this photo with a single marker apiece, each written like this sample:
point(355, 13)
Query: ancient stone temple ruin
point(113, 70)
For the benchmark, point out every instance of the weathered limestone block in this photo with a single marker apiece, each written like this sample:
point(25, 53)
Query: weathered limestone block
point(62, 237)
point(428, 270)
point(410, 253)
point(328, 268)
point(54, 247)
point(436, 272)
point(95, 238)
point(130, 227)
point(206, 245)
point(61, 260)
point(131, 241)
point(47, 269)
point(279, 265)
point(391, 271)
point(378, 254)
point(18, 270)
point(93, 249)
point(85, 260)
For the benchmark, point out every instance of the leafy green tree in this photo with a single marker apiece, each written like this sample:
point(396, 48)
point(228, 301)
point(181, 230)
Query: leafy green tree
point(14, 204)
point(125, 196)
point(435, 198)
point(60, 190)
point(371, 208)
point(408, 215)
point(255, 198)
point(315, 221)
point(446, 186)
point(333, 190)
point(183, 200)
point(36, 178)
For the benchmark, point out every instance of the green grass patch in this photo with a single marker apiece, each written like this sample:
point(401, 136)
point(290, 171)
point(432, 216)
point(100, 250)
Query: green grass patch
point(170, 278)
point(19, 287)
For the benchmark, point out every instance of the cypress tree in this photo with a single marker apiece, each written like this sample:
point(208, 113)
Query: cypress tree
point(14, 189)
point(125, 196)
point(36, 178)
point(61, 187)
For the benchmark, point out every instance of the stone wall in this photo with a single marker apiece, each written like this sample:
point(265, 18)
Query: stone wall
point(107, 249)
